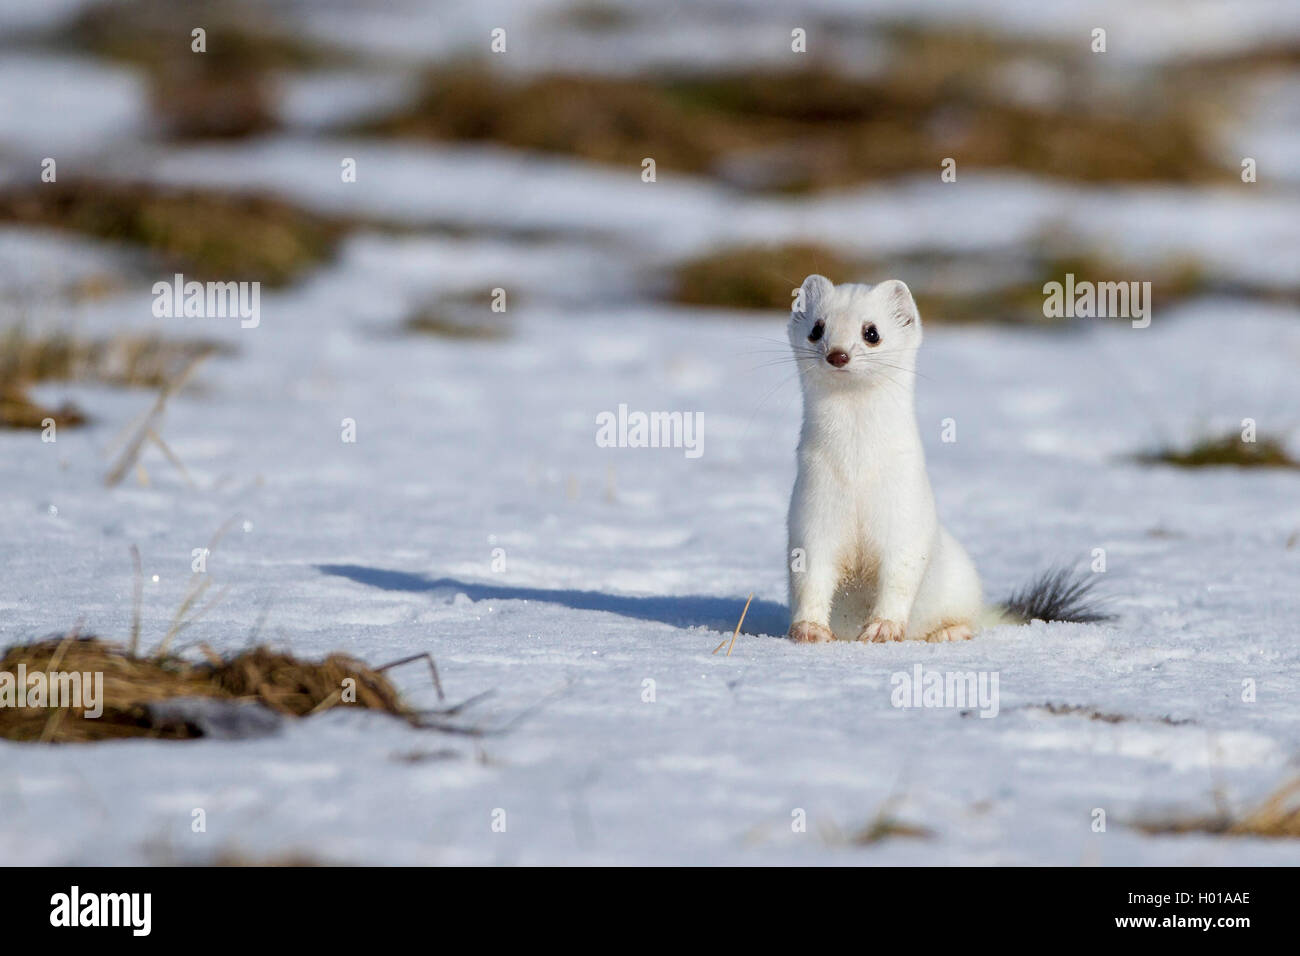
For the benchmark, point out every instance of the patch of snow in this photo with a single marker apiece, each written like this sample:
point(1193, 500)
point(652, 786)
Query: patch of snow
point(59, 105)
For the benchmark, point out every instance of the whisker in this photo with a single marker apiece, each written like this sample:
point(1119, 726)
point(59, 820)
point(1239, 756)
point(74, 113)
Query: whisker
point(763, 401)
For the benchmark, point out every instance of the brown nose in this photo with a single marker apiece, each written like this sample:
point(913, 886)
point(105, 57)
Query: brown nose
point(839, 358)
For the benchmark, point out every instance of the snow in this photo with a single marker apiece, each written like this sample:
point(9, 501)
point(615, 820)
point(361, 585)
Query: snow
point(35, 15)
point(627, 565)
point(1144, 32)
point(623, 565)
point(41, 266)
point(1235, 229)
point(325, 98)
point(729, 32)
point(1267, 132)
point(59, 105)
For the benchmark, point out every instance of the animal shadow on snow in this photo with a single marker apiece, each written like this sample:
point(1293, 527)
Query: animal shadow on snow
point(696, 610)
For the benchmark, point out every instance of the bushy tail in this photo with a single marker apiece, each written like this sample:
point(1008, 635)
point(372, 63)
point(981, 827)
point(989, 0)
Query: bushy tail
point(1058, 594)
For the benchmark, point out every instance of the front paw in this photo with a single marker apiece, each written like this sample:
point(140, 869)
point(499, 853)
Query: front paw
point(805, 632)
point(880, 631)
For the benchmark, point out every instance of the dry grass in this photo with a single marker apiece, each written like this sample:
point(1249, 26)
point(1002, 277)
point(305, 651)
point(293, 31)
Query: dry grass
point(1016, 295)
point(18, 410)
point(446, 325)
point(883, 825)
point(731, 645)
point(125, 360)
point(594, 16)
point(204, 234)
point(459, 317)
point(813, 129)
point(236, 858)
point(756, 276)
point(763, 277)
point(1276, 817)
point(280, 682)
point(241, 37)
point(943, 94)
point(1228, 450)
point(227, 91)
point(145, 430)
point(886, 827)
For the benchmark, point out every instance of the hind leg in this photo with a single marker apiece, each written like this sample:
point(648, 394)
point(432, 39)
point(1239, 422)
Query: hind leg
point(950, 599)
point(953, 632)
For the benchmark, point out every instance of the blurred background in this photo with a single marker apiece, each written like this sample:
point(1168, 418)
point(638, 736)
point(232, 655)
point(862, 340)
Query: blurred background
point(397, 162)
point(1125, 164)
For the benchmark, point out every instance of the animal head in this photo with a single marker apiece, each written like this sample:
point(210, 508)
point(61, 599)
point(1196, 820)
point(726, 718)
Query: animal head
point(853, 335)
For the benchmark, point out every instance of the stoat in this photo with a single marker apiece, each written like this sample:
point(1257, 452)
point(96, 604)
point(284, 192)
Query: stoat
point(869, 559)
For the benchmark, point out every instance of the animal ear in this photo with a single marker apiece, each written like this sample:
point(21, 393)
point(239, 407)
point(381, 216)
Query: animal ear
point(815, 289)
point(899, 302)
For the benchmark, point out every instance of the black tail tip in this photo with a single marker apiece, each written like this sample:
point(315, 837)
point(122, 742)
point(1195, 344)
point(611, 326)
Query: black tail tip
point(1059, 594)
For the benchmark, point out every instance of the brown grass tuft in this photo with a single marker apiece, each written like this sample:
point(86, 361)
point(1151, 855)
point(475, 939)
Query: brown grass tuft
point(1229, 450)
point(459, 317)
point(225, 92)
point(17, 410)
point(208, 235)
point(235, 858)
point(887, 827)
point(280, 682)
point(794, 131)
point(757, 276)
point(1276, 817)
point(883, 825)
point(124, 360)
point(1010, 286)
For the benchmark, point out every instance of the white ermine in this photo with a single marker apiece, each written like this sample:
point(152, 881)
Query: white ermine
point(868, 558)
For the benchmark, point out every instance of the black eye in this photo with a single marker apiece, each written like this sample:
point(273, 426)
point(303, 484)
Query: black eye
point(817, 331)
point(870, 335)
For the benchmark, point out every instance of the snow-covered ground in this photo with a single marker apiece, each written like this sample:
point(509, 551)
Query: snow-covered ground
point(476, 518)
point(627, 565)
